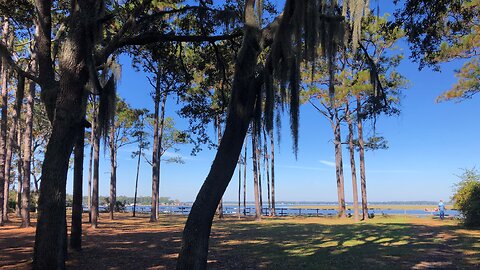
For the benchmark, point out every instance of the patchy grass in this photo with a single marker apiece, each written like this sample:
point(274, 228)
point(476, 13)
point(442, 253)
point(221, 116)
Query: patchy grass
point(396, 242)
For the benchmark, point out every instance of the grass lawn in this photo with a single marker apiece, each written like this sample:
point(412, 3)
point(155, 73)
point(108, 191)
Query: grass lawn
point(274, 243)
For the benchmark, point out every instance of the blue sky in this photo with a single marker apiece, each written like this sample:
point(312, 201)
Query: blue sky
point(429, 144)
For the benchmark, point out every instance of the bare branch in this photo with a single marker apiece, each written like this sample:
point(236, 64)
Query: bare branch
point(5, 54)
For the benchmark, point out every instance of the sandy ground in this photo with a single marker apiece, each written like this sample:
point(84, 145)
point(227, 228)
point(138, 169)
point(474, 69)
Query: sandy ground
point(135, 243)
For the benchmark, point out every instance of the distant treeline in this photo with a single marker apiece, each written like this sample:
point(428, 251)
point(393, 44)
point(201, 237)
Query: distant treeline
point(143, 200)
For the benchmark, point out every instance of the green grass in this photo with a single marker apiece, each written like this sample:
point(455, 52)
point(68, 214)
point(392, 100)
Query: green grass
point(330, 243)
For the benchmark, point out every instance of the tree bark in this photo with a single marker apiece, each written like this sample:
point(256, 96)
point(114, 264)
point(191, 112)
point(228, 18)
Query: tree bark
point(245, 181)
point(90, 162)
point(113, 170)
point(363, 179)
point(339, 166)
point(193, 254)
point(256, 190)
point(259, 173)
point(65, 103)
point(27, 156)
point(136, 180)
point(266, 162)
point(157, 148)
point(96, 174)
point(19, 173)
point(155, 152)
point(13, 128)
point(77, 207)
point(272, 150)
point(50, 238)
point(239, 187)
point(219, 138)
point(3, 132)
point(351, 148)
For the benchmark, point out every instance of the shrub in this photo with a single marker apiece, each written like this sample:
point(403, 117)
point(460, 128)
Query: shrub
point(467, 197)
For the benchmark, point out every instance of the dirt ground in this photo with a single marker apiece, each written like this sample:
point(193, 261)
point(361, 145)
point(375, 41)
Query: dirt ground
point(282, 243)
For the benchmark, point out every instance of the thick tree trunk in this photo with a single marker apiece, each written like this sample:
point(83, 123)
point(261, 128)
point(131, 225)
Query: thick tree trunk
point(3, 132)
point(50, 238)
point(194, 251)
point(90, 162)
point(66, 109)
point(27, 155)
point(256, 190)
point(272, 150)
point(363, 179)
point(351, 149)
point(339, 166)
point(77, 207)
point(12, 133)
point(113, 170)
point(96, 174)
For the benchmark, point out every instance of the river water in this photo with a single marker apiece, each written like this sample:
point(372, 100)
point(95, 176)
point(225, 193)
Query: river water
point(291, 210)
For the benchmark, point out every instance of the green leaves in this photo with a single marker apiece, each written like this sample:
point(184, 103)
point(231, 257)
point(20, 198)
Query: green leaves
point(467, 197)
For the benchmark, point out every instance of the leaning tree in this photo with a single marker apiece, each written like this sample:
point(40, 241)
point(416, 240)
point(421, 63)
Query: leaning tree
point(292, 36)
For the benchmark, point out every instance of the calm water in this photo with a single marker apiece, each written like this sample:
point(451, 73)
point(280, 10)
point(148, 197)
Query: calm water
point(285, 210)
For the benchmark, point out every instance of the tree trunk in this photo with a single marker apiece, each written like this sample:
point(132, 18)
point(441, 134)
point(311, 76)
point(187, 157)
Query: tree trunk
point(265, 166)
point(19, 172)
point(113, 171)
point(50, 237)
point(363, 180)
point(90, 162)
point(259, 173)
point(339, 166)
point(27, 155)
point(136, 180)
point(96, 175)
point(155, 153)
point(239, 186)
point(13, 128)
point(194, 251)
point(256, 190)
point(3, 131)
point(272, 150)
point(159, 151)
point(219, 138)
point(77, 207)
point(245, 181)
point(352, 164)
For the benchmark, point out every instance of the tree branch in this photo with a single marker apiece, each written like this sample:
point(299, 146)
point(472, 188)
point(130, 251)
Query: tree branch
point(5, 54)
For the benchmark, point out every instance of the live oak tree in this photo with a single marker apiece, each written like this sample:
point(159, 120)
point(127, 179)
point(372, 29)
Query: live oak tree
point(87, 32)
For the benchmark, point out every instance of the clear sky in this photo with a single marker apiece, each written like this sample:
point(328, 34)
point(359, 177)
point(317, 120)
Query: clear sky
point(429, 144)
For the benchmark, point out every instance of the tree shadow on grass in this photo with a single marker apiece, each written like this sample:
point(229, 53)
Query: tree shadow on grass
point(351, 246)
point(310, 243)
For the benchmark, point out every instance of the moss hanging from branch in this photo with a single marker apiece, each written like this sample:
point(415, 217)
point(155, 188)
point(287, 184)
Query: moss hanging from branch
point(305, 26)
